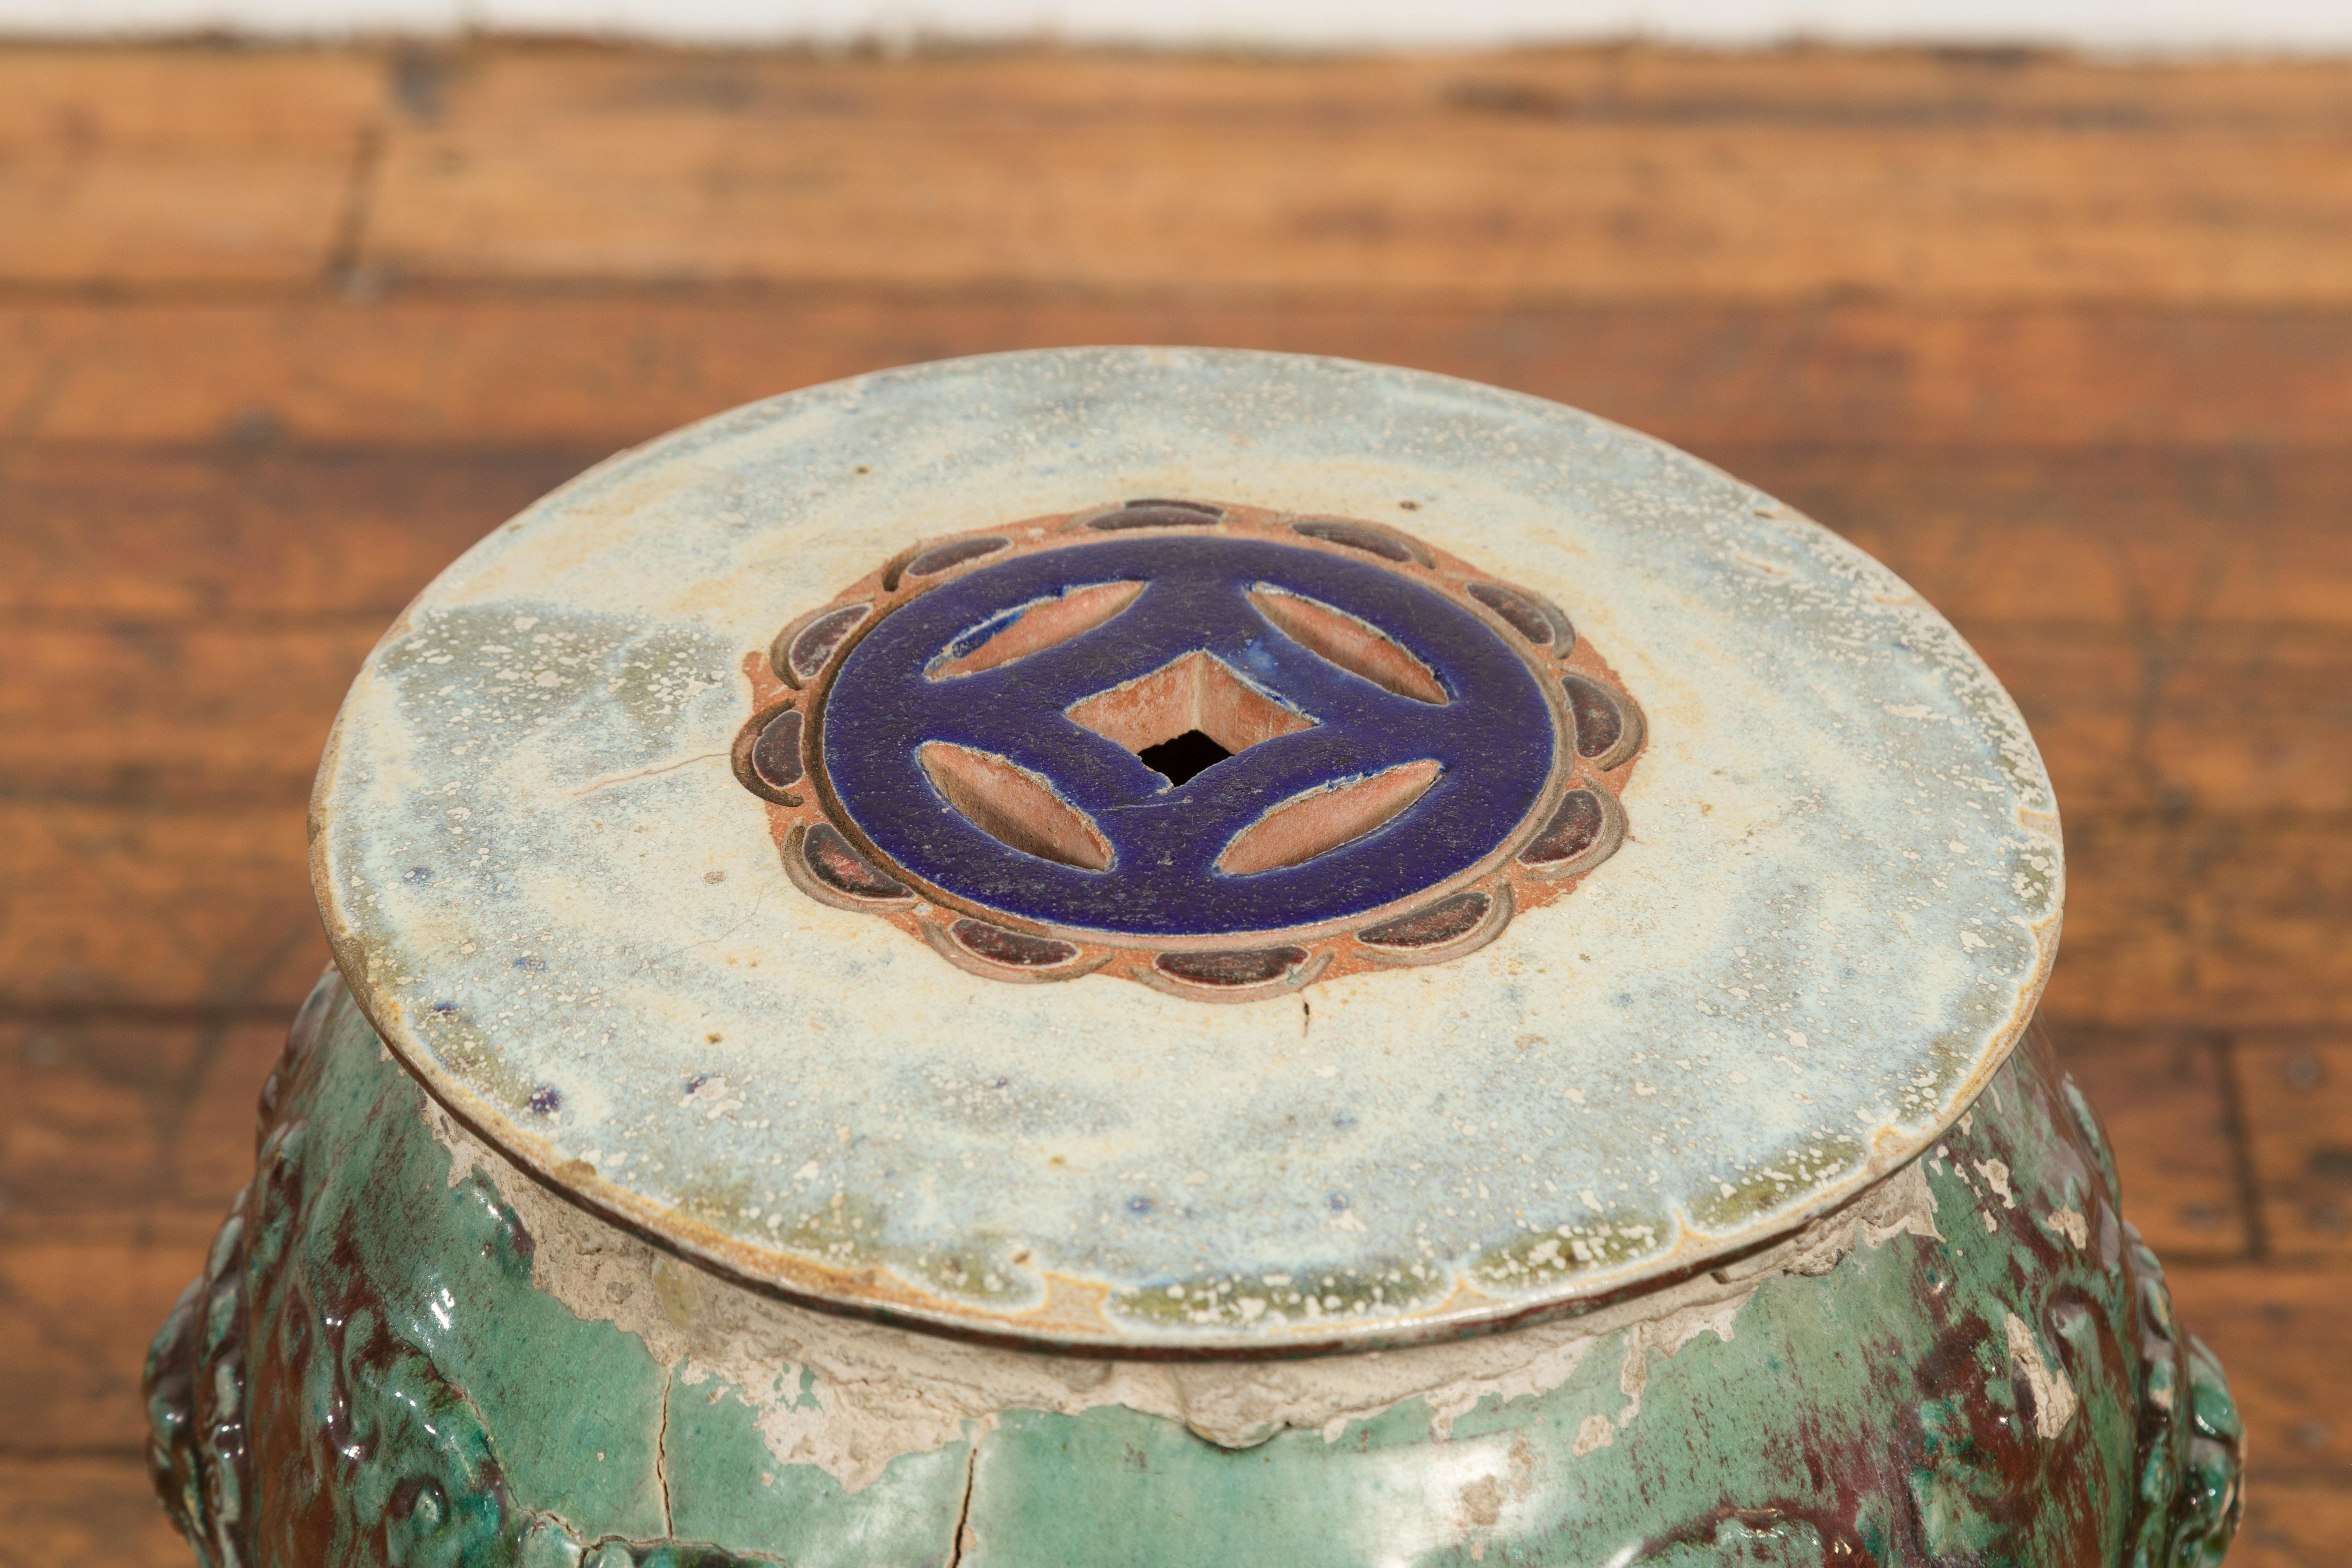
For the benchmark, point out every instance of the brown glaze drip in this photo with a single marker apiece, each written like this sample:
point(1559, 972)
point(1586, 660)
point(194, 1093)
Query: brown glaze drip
point(834, 861)
point(1018, 949)
point(1534, 619)
point(954, 552)
point(1574, 828)
point(1440, 923)
point(817, 640)
point(1600, 722)
point(1254, 966)
point(776, 755)
point(1360, 536)
point(1156, 514)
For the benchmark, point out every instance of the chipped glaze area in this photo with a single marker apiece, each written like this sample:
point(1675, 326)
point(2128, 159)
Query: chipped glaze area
point(882, 1392)
point(404, 1350)
point(1834, 914)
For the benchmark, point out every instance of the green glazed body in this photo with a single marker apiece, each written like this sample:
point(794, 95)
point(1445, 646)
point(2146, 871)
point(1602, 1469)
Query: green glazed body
point(368, 1373)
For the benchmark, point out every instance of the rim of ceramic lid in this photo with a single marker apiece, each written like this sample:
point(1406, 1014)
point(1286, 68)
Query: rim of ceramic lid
point(566, 893)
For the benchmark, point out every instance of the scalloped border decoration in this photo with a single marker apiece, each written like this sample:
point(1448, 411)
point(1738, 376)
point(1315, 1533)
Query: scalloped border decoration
point(1576, 825)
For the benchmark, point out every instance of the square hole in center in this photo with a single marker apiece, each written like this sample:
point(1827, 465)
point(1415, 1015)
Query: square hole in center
point(1180, 757)
point(1186, 717)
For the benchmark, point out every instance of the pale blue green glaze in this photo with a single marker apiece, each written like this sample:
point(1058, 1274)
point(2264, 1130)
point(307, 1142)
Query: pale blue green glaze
point(368, 1374)
point(1827, 924)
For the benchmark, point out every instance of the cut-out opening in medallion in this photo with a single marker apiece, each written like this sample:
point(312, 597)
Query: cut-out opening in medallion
point(937, 558)
point(983, 948)
point(1156, 716)
point(1014, 806)
point(776, 754)
point(1018, 949)
point(1033, 628)
point(1184, 757)
point(766, 755)
point(1350, 642)
point(1368, 537)
point(1447, 921)
point(1320, 820)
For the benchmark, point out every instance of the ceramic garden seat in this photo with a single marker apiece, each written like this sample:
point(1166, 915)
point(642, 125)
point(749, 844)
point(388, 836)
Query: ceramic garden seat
point(1159, 957)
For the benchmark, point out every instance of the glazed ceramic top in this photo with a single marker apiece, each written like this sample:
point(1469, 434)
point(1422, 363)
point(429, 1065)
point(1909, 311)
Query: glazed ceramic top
point(1168, 850)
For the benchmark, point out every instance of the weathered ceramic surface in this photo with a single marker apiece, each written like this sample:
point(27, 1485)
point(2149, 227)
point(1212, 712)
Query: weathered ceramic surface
point(408, 1352)
point(1832, 920)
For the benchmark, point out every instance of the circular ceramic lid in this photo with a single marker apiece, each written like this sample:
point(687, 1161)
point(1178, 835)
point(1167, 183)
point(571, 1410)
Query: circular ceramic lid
point(1139, 849)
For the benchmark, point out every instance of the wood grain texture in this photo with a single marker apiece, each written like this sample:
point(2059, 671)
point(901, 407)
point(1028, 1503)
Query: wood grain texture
point(246, 535)
point(133, 167)
point(2293, 1525)
point(118, 1129)
point(2199, 920)
point(2285, 1335)
point(616, 363)
point(281, 332)
point(206, 716)
point(112, 909)
point(2299, 1110)
point(123, 1147)
point(94, 1511)
point(1491, 183)
point(2166, 1112)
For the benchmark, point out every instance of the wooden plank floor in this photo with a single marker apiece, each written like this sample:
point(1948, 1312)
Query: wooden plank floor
point(2070, 346)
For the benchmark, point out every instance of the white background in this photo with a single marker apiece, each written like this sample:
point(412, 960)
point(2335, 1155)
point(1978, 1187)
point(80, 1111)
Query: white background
point(2125, 25)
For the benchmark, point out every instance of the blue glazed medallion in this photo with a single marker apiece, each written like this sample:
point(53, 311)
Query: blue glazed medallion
point(1205, 627)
